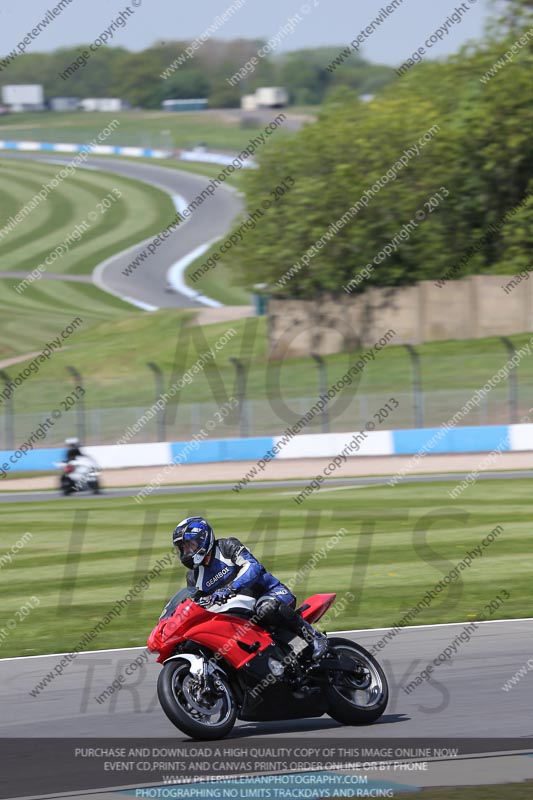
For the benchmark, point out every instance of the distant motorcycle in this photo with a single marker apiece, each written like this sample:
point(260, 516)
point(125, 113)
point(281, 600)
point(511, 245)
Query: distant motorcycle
point(79, 475)
point(218, 664)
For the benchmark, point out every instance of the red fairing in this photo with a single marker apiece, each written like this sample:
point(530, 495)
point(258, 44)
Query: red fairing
point(318, 605)
point(173, 628)
point(222, 637)
point(218, 632)
point(221, 632)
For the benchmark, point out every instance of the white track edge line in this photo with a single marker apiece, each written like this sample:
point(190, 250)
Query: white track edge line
point(329, 633)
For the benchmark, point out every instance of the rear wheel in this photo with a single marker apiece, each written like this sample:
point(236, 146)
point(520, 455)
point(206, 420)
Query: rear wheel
point(199, 712)
point(359, 697)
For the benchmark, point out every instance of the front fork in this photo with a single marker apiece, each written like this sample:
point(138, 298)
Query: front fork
point(210, 682)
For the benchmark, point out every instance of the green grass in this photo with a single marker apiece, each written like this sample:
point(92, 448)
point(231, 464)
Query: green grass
point(141, 211)
point(115, 342)
point(68, 207)
point(52, 304)
point(157, 129)
point(385, 525)
point(221, 283)
point(112, 356)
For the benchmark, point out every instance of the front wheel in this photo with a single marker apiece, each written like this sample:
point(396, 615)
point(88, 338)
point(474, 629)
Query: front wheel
point(359, 697)
point(200, 712)
point(66, 485)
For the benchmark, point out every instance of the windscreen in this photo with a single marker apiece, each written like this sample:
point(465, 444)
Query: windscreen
point(175, 600)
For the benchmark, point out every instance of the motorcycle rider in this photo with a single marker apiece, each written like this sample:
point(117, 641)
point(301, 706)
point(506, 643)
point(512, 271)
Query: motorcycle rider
point(73, 451)
point(80, 465)
point(223, 567)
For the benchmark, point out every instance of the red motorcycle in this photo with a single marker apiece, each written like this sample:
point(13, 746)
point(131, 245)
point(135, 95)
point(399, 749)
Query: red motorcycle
point(219, 664)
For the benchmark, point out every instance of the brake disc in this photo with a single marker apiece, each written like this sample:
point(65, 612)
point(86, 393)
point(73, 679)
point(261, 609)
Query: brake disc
point(191, 699)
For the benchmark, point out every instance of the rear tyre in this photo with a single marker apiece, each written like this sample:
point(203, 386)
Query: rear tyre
point(357, 698)
point(199, 714)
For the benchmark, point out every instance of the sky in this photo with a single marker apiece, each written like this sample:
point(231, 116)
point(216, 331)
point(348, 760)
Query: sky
point(315, 23)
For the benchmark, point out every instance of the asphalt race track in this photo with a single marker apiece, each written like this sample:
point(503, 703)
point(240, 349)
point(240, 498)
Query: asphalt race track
point(39, 496)
point(463, 699)
point(209, 221)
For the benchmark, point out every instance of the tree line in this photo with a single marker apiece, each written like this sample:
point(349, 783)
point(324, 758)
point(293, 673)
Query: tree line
point(136, 77)
point(462, 205)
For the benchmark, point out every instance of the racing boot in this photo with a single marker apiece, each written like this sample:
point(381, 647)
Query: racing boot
point(317, 640)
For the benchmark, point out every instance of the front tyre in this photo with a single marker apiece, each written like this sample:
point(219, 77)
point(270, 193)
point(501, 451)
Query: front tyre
point(199, 712)
point(66, 486)
point(359, 697)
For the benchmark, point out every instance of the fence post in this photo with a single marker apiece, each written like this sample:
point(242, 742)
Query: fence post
point(322, 388)
point(9, 416)
point(240, 388)
point(159, 390)
point(80, 405)
point(418, 399)
point(513, 382)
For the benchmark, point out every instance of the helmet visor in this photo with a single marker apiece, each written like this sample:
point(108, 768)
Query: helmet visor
point(190, 544)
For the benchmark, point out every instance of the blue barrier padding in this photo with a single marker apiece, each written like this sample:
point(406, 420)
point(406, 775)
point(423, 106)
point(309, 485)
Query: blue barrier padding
point(203, 452)
point(405, 442)
point(42, 460)
point(455, 440)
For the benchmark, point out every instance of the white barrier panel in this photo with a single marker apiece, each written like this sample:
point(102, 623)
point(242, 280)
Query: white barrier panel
point(103, 149)
point(358, 443)
point(521, 437)
point(66, 148)
point(213, 158)
point(153, 454)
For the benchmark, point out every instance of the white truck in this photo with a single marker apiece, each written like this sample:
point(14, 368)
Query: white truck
point(271, 97)
point(23, 96)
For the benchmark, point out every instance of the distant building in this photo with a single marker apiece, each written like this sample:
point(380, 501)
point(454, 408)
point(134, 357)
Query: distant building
point(23, 97)
point(265, 97)
point(64, 103)
point(249, 102)
point(198, 104)
point(103, 104)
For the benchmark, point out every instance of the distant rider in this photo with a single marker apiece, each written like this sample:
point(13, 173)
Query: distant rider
point(223, 567)
point(73, 451)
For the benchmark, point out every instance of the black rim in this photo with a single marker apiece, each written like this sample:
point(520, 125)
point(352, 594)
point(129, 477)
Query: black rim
point(362, 688)
point(212, 707)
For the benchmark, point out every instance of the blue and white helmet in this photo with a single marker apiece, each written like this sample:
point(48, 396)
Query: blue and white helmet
point(193, 540)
